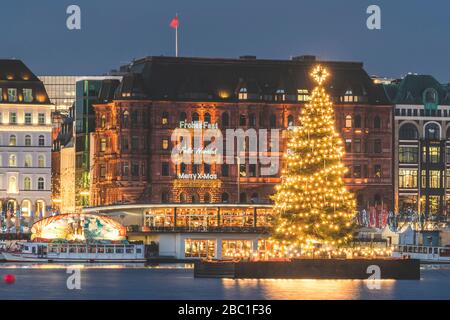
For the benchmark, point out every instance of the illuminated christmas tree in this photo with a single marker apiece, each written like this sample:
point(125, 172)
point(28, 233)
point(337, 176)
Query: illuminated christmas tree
point(312, 202)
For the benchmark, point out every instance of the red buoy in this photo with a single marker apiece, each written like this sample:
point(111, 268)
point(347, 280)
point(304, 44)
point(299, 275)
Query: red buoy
point(9, 279)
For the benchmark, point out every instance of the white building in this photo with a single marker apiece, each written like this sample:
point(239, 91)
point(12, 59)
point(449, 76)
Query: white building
point(25, 139)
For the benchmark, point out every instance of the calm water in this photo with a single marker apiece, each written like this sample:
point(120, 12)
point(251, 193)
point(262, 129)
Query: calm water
point(177, 282)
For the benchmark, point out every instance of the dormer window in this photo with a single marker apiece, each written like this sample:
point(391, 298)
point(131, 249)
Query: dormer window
point(430, 99)
point(27, 95)
point(12, 95)
point(302, 95)
point(348, 97)
point(280, 95)
point(243, 95)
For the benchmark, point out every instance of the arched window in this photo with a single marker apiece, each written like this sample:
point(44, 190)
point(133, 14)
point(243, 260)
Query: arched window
point(103, 121)
point(41, 161)
point(183, 168)
point(290, 120)
point(225, 197)
point(12, 184)
point(28, 161)
point(195, 117)
point(27, 183)
point(41, 184)
point(225, 119)
point(195, 198)
point(408, 131)
point(377, 122)
point(183, 197)
point(41, 141)
point(430, 96)
point(207, 198)
point(12, 160)
point(164, 197)
point(207, 117)
point(27, 140)
point(448, 133)
point(273, 121)
point(348, 121)
point(12, 140)
point(432, 131)
point(164, 118)
point(243, 197)
point(357, 121)
point(183, 116)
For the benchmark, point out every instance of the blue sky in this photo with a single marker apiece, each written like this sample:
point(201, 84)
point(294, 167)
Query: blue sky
point(413, 38)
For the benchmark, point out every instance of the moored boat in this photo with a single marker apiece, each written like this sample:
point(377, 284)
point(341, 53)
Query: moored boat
point(426, 254)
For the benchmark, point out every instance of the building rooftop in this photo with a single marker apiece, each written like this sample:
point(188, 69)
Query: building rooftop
point(15, 74)
point(218, 79)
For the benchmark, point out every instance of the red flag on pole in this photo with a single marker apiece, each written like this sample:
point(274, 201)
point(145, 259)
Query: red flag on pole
point(174, 23)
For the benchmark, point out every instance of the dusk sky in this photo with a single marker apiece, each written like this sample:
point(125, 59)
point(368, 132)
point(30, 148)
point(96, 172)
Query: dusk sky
point(413, 38)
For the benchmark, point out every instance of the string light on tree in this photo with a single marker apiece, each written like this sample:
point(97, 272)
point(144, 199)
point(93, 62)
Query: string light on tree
point(312, 204)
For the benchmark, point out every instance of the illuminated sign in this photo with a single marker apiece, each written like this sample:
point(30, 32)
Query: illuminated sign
point(198, 125)
point(197, 176)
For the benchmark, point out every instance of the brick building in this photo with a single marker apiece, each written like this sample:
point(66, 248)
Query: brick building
point(131, 159)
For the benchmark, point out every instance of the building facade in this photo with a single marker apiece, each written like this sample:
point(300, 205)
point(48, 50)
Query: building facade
point(26, 129)
point(61, 90)
point(133, 144)
point(422, 150)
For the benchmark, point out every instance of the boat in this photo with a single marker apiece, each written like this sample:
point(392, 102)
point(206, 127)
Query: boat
point(76, 238)
point(426, 254)
point(80, 252)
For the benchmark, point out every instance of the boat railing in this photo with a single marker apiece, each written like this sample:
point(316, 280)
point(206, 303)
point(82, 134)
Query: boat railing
point(441, 251)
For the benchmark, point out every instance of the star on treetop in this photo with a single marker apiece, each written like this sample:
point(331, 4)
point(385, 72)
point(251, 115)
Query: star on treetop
point(320, 74)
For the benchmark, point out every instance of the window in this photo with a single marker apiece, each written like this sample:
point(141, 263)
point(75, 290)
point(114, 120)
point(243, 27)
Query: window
point(28, 161)
point(165, 169)
point(302, 95)
point(41, 185)
point(12, 140)
point(165, 197)
point(273, 121)
point(183, 116)
point(41, 118)
point(27, 118)
point(207, 118)
point(377, 146)
point(103, 121)
point(135, 169)
point(27, 183)
point(102, 171)
point(125, 169)
point(165, 144)
point(195, 117)
point(357, 145)
point(12, 95)
point(225, 119)
point(41, 161)
point(41, 141)
point(407, 178)
point(377, 122)
point(348, 145)
point(434, 153)
point(408, 131)
point(243, 198)
point(432, 131)
point(102, 144)
point(357, 172)
point(348, 121)
point(377, 171)
point(225, 170)
point(134, 143)
point(182, 197)
point(126, 119)
point(27, 95)
point(243, 94)
point(27, 140)
point(252, 170)
point(242, 120)
point(12, 184)
point(207, 198)
point(290, 120)
point(199, 248)
point(225, 197)
point(164, 118)
point(124, 143)
point(12, 160)
point(207, 168)
point(135, 118)
point(408, 154)
point(12, 118)
point(435, 179)
point(357, 121)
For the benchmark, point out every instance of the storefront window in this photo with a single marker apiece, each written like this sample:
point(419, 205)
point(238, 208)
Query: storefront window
point(163, 217)
point(236, 248)
point(194, 248)
point(433, 205)
point(263, 217)
point(435, 179)
point(197, 218)
point(239, 217)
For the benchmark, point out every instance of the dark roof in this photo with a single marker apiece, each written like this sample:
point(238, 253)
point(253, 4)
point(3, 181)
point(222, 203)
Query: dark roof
point(411, 89)
point(107, 89)
point(15, 74)
point(170, 78)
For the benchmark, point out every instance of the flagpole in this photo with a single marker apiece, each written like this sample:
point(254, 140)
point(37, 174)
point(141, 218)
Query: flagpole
point(176, 38)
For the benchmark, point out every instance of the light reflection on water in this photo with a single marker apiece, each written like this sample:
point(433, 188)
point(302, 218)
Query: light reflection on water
point(12, 265)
